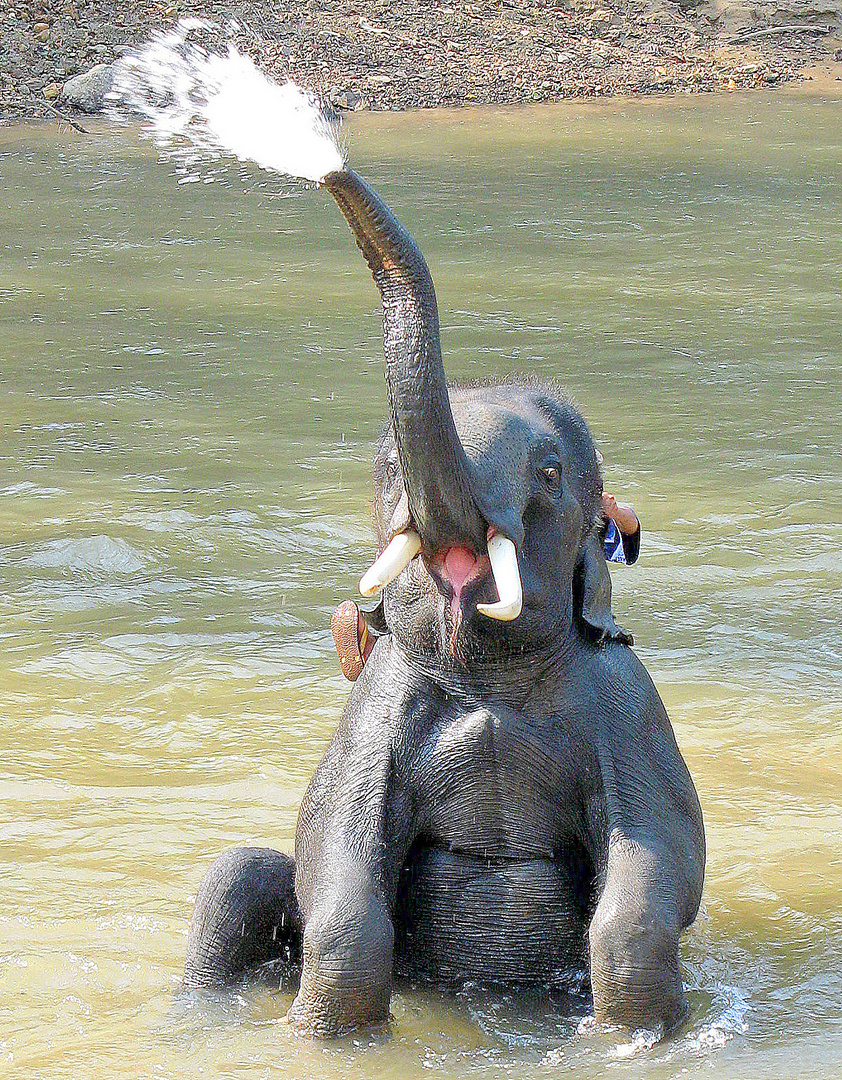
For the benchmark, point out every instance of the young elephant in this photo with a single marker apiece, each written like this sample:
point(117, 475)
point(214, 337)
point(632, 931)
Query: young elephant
point(503, 800)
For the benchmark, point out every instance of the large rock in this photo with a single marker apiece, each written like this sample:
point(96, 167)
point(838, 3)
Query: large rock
point(801, 12)
point(759, 14)
point(88, 90)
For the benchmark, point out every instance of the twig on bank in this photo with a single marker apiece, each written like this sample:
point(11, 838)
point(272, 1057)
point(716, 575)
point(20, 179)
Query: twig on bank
point(67, 119)
point(31, 101)
point(767, 31)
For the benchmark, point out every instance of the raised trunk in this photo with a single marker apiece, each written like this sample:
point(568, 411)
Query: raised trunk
point(435, 468)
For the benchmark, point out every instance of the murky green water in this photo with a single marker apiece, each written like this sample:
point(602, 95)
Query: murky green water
point(190, 382)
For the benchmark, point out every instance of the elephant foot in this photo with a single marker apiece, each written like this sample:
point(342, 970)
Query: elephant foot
point(347, 974)
point(246, 916)
point(634, 971)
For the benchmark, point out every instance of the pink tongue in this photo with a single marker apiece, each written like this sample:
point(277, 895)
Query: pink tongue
point(458, 563)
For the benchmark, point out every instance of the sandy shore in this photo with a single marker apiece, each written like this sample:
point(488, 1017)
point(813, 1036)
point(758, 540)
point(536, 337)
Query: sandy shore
point(380, 55)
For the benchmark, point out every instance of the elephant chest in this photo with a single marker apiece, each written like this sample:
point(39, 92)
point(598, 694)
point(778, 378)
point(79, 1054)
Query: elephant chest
point(497, 886)
point(491, 784)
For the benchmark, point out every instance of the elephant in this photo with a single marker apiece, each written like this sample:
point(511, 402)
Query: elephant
point(503, 800)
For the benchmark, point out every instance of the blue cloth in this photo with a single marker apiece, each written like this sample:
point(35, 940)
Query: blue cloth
point(612, 544)
point(619, 548)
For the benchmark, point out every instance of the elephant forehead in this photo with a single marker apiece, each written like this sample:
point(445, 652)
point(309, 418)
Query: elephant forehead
point(497, 432)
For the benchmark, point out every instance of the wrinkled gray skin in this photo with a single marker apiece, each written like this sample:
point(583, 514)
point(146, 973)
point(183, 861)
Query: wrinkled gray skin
point(502, 801)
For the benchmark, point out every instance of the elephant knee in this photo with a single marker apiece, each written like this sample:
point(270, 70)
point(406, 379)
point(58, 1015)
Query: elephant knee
point(346, 978)
point(245, 914)
point(635, 974)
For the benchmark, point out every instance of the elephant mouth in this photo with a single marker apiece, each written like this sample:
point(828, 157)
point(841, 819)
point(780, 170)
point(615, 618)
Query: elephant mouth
point(456, 571)
point(460, 576)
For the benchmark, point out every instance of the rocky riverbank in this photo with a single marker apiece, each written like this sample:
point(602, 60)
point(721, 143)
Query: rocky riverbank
point(404, 54)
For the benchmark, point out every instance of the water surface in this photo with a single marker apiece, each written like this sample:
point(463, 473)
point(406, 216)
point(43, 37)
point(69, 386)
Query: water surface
point(191, 382)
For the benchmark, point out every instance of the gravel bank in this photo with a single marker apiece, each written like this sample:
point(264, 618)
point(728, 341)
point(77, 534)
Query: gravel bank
point(397, 55)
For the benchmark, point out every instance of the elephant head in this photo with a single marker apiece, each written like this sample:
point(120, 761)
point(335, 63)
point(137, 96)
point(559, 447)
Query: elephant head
point(487, 497)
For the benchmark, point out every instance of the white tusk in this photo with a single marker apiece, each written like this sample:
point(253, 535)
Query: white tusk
point(398, 555)
point(503, 556)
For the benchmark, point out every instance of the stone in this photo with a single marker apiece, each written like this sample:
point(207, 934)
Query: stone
point(601, 20)
point(88, 90)
point(346, 99)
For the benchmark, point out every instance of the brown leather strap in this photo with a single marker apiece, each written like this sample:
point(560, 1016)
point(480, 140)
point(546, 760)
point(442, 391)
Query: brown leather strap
point(352, 640)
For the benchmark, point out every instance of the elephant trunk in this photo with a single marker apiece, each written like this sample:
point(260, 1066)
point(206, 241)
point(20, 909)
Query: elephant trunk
point(436, 471)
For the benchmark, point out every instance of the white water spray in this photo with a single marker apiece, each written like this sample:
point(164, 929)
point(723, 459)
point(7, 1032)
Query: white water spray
point(222, 104)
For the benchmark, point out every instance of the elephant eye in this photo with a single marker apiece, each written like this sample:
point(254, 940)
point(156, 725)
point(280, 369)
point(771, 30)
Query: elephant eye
point(551, 475)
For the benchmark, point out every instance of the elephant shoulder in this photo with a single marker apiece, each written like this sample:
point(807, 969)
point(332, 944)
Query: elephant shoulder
point(384, 720)
point(391, 704)
point(643, 772)
point(622, 691)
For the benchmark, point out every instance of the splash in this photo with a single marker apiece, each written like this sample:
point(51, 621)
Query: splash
point(220, 103)
point(730, 1022)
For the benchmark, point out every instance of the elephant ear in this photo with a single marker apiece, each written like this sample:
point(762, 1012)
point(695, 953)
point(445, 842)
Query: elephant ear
point(592, 595)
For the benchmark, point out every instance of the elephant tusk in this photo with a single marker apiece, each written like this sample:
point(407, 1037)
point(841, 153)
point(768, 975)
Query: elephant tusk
point(503, 556)
point(400, 552)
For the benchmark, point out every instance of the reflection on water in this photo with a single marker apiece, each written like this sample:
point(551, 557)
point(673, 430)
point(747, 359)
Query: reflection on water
point(192, 382)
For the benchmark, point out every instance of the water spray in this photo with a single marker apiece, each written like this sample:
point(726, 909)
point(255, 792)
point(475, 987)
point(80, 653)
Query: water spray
point(222, 104)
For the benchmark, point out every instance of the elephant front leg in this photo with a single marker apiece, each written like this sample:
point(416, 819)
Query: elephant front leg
point(633, 939)
point(346, 979)
point(245, 915)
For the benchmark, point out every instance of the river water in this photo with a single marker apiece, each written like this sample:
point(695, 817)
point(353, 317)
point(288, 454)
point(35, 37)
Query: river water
point(191, 381)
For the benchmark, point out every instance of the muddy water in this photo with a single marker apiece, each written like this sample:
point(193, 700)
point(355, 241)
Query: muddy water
point(191, 382)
